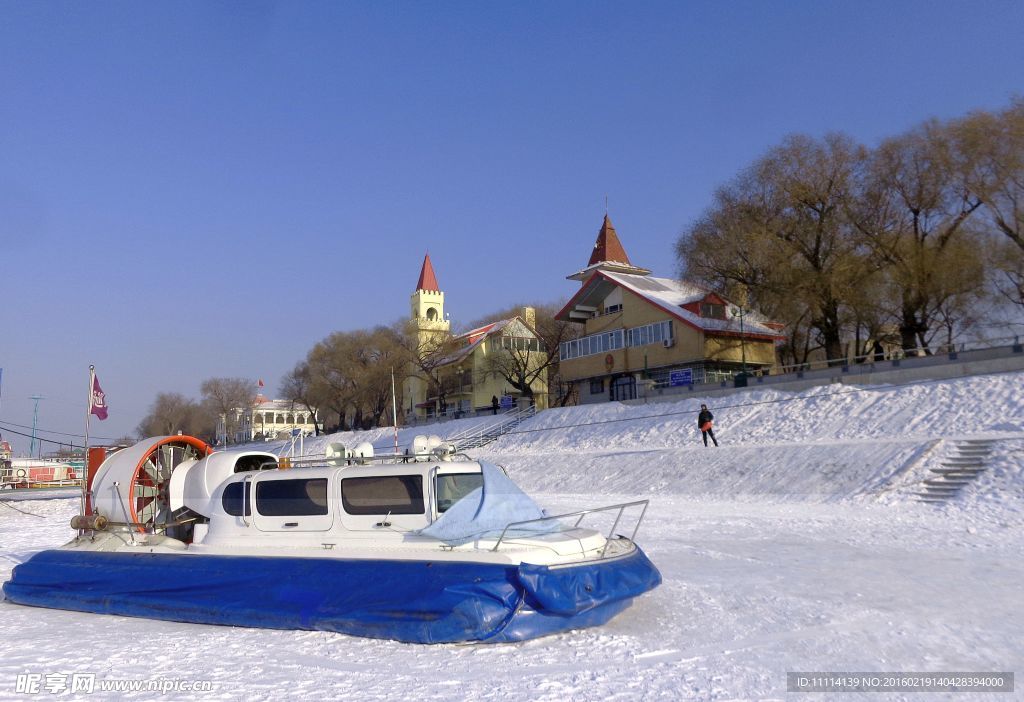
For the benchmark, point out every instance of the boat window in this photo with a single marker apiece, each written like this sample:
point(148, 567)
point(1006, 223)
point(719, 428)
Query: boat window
point(248, 463)
point(452, 487)
point(284, 498)
point(397, 494)
point(231, 501)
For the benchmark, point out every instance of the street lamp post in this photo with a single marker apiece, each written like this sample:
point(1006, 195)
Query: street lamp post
point(741, 313)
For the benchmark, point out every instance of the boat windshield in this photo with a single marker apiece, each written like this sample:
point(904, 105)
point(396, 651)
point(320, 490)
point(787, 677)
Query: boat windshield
point(452, 487)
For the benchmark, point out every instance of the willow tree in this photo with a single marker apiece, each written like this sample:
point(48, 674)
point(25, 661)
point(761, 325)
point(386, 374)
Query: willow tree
point(913, 212)
point(379, 353)
point(781, 232)
point(989, 155)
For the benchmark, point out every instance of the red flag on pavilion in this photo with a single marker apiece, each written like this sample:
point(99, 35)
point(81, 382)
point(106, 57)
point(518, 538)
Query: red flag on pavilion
point(97, 398)
point(260, 384)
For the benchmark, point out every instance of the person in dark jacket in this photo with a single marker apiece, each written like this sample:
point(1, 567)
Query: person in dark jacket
point(494, 404)
point(704, 421)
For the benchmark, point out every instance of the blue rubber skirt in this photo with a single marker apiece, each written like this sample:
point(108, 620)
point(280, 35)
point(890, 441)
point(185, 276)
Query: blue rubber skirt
point(412, 601)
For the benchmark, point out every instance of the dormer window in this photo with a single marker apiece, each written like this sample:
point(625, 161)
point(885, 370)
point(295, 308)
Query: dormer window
point(711, 310)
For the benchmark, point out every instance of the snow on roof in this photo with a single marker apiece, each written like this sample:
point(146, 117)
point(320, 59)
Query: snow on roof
point(475, 337)
point(670, 295)
point(486, 329)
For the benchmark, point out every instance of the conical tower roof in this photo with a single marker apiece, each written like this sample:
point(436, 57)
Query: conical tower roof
point(608, 255)
point(427, 281)
point(608, 247)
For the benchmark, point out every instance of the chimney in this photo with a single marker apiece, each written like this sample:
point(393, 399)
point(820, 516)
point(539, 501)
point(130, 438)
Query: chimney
point(529, 315)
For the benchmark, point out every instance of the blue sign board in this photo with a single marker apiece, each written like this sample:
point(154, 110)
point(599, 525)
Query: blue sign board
point(506, 402)
point(680, 377)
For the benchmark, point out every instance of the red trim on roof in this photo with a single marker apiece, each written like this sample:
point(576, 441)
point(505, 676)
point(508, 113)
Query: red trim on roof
point(482, 331)
point(672, 310)
point(427, 281)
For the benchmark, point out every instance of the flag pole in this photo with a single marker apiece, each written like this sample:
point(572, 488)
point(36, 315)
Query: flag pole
point(394, 409)
point(88, 415)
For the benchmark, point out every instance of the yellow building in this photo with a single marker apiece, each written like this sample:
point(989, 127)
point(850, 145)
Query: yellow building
point(640, 328)
point(464, 374)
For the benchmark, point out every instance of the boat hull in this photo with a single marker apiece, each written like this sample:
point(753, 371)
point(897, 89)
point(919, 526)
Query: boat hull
point(411, 601)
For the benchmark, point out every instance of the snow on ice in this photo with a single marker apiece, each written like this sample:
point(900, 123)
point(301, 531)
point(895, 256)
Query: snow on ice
point(797, 545)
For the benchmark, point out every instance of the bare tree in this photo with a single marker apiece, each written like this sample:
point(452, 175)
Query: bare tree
point(225, 397)
point(521, 362)
point(379, 353)
point(297, 387)
point(424, 355)
point(172, 412)
point(332, 376)
point(348, 374)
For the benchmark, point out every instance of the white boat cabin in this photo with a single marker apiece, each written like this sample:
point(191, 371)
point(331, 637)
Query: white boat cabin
point(360, 500)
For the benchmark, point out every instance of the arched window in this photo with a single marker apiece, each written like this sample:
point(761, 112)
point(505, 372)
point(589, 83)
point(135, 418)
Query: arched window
point(431, 314)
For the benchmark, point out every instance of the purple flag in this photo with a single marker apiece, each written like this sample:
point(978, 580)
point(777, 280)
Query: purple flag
point(98, 399)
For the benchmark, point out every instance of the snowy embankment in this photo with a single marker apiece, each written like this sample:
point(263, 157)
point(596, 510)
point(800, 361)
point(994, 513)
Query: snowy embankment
point(831, 442)
point(828, 443)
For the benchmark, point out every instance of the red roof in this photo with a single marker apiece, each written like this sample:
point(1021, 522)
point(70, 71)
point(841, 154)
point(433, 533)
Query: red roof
point(608, 247)
point(427, 281)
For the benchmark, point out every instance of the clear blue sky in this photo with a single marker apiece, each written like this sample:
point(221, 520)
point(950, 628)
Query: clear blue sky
point(197, 189)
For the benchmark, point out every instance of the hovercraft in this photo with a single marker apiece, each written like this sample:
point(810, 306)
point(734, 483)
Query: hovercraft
point(428, 547)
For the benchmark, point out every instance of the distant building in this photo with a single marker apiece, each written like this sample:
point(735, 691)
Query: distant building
point(273, 419)
point(467, 367)
point(638, 328)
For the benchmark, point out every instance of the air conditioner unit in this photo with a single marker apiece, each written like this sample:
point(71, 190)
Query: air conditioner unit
point(669, 343)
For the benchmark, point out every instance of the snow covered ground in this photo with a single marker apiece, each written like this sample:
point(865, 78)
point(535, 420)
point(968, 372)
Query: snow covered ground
point(795, 546)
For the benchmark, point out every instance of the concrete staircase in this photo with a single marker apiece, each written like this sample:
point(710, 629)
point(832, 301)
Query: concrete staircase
point(485, 434)
point(965, 462)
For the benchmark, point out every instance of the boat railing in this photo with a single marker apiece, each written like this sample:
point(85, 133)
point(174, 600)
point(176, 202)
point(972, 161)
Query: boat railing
point(322, 460)
point(580, 515)
point(10, 478)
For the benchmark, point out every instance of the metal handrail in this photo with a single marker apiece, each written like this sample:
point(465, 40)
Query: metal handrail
point(933, 350)
point(480, 429)
point(583, 513)
point(510, 418)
